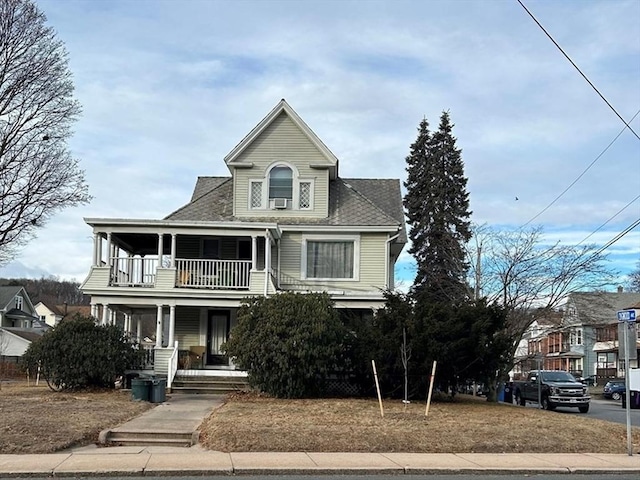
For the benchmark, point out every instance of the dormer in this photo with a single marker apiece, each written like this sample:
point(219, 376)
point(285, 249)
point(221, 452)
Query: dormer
point(281, 169)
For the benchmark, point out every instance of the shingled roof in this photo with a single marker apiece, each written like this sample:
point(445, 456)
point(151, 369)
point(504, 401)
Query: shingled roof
point(599, 308)
point(357, 202)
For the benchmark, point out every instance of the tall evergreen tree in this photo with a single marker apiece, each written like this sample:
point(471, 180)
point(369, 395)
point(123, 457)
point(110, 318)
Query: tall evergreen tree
point(437, 205)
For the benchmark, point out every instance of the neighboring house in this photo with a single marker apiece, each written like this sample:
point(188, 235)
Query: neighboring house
point(19, 323)
point(52, 315)
point(590, 332)
point(533, 346)
point(16, 309)
point(284, 220)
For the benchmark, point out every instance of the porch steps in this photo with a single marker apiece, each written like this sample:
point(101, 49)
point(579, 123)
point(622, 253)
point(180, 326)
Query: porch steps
point(216, 385)
point(159, 438)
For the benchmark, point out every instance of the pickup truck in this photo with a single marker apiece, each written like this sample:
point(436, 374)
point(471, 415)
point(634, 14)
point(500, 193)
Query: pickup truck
point(557, 389)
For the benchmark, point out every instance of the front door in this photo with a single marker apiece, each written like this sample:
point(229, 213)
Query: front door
point(217, 334)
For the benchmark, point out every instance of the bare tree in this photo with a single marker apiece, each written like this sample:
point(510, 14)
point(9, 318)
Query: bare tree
point(38, 176)
point(529, 278)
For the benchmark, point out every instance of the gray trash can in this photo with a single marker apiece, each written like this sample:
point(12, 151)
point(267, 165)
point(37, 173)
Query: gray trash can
point(140, 389)
point(158, 393)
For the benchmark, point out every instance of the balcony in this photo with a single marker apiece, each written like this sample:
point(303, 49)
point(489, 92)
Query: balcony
point(190, 273)
point(213, 274)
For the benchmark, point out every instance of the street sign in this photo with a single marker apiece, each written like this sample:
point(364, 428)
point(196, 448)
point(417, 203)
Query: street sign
point(627, 316)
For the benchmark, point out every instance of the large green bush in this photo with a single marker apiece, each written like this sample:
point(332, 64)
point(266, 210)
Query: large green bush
point(79, 354)
point(288, 343)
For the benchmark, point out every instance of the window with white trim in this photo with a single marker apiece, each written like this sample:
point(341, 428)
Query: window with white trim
point(19, 302)
point(305, 195)
point(281, 183)
point(331, 258)
point(575, 336)
point(255, 194)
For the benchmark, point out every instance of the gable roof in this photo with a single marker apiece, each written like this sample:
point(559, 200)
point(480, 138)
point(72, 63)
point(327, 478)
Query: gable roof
point(8, 293)
point(283, 107)
point(52, 308)
point(29, 335)
point(352, 202)
point(599, 308)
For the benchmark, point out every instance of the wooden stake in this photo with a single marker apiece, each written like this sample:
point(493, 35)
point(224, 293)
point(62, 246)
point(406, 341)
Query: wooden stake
point(375, 375)
point(433, 376)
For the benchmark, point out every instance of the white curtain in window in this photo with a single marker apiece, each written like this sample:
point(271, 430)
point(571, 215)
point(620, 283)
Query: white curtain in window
point(330, 259)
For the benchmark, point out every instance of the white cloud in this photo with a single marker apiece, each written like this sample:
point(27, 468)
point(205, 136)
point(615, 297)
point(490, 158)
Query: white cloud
point(168, 91)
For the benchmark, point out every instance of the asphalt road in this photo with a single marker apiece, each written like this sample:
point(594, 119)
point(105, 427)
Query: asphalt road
point(609, 410)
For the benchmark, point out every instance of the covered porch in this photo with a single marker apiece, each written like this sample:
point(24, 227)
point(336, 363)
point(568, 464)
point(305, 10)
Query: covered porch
point(168, 255)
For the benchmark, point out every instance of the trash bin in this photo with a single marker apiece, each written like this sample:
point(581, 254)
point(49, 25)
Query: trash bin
point(128, 378)
point(508, 393)
point(158, 393)
point(140, 388)
point(501, 392)
point(634, 400)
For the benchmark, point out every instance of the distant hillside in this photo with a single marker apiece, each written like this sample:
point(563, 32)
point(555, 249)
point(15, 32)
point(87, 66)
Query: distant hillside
point(50, 290)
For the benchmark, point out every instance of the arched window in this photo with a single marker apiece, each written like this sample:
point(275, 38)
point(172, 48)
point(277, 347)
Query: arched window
point(281, 183)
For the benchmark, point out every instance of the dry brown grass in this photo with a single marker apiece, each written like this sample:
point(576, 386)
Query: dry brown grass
point(38, 420)
point(253, 423)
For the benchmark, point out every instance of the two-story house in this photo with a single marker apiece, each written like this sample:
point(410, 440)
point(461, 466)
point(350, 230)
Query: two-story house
point(284, 220)
point(590, 332)
point(19, 323)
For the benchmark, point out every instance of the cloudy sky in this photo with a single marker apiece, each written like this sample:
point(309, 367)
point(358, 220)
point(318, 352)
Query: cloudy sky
point(168, 88)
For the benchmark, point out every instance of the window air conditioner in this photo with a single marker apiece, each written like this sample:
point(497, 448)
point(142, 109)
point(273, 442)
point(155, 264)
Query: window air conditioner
point(280, 203)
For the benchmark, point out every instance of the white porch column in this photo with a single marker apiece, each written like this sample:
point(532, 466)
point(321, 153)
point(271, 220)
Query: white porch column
point(94, 311)
point(139, 330)
point(112, 317)
point(95, 258)
point(254, 252)
point(267, 261)
point(173, 250)
point(160, 249)
point(127, 323)
point(108, 250)
point(159, 327)
point(172, 325)
point(105, 314)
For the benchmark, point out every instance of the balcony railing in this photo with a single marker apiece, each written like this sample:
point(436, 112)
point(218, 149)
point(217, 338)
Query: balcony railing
point(214, 274)
point(133, 271)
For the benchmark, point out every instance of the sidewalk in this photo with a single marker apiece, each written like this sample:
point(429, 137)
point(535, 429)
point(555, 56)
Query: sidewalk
point(119, 461)
point(182, 414)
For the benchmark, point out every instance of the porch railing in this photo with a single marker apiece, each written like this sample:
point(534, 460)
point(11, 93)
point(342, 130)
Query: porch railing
point(133, 271)
point(214, 274)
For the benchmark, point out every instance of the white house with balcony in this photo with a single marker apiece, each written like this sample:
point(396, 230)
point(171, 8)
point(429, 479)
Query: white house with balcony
point(284, 220)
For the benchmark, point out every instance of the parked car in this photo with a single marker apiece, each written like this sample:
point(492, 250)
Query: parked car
point(591, 381)
point(614, 389)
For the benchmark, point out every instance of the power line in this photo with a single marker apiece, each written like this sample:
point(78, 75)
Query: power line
point(581, 175)
point(578, 69)
point(616, 238)
point(614, 216)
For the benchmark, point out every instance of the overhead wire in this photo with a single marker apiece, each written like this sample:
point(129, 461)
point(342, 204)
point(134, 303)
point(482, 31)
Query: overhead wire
point(581, 175)
point(579, 71)
point(626, 126)
point(616, 238)
point(605, 223)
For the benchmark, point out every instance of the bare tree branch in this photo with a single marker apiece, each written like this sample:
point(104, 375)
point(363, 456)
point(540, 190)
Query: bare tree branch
point(38, 175)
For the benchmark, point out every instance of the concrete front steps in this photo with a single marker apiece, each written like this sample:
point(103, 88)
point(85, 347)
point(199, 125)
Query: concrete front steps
point(160, 438)
point(209, 384)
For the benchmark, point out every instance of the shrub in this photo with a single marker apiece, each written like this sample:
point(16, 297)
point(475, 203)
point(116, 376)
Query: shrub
point(78, 354)
point(288, 343)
